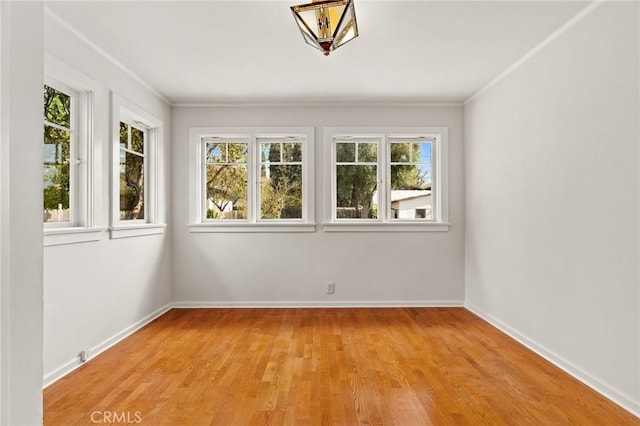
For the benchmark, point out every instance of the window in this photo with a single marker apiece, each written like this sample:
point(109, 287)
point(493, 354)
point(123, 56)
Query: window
point(137, 171)
point(132, 171)
point(252, 179)
point(227, 178)
point(60, 146)
point(391, 179)
point(68, 155)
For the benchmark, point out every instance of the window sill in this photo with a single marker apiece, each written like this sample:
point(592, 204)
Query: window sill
point(136, 230)
point(62, 236)
point(386, 227)
point(251, 227)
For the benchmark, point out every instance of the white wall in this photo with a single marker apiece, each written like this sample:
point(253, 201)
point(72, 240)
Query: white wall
point(290, 268)
point(20, 213)
point(552, 195)
point(96, 290)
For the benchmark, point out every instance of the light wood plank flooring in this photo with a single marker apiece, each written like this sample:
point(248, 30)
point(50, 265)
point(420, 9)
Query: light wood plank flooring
point(396, 366)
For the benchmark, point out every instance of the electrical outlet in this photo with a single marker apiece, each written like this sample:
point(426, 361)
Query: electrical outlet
point(331, 288)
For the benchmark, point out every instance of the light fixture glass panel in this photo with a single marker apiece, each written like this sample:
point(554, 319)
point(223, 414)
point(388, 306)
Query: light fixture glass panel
point(348, 29)
point(335, 13)
point(309, 37)
point(311, 41)
point(309, 18)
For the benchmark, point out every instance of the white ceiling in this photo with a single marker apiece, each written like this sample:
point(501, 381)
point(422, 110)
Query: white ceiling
point(252, 51)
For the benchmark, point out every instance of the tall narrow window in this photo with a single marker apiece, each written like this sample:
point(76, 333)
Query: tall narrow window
point(137, 171)
point(132, 171)
point(226, 178)
point(60, 140)
point(410, 179)
point(280, 179)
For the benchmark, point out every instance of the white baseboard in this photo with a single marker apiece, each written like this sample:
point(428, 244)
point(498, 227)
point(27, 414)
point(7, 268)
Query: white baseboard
point(324, 304)
point(68, 367)
point(619, 398)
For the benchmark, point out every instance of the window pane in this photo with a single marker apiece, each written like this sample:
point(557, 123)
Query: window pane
point(215, 152)
point(237, 152)
point(356, 192)
point(367, 153)
point(411, 192)
point(292, 152)
point(281, 192)
point(346, 152)
point(273, 152)
point(267, 150)
point(57, 107)
point(124, 135)
point(57, 145)
point(131, 186)
point(137, 140)
point(226, 191)
point(422, 152)
point(400, 152)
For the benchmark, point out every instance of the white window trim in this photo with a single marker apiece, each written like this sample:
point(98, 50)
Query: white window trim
point(153, 223)
point(197, 220)
point(384, 223)
point(83, 228)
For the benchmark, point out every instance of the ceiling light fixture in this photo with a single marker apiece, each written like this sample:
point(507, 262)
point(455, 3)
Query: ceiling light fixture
point(326, 24)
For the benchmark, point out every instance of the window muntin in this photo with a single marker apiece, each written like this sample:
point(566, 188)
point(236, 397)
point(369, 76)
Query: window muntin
point(281, 179)
point(226, 178)
point(132, 171)
point(59, 167)
point(410, 179)
point(356, 178)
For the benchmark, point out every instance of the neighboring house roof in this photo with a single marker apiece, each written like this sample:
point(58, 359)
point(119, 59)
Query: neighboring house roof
point(405, 194)
point(400, 195)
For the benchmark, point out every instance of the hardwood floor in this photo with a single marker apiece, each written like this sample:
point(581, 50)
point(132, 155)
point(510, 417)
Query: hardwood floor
point(396, 366)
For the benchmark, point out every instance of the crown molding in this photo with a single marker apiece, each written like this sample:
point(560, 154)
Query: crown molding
point(534, 51)
point(100, 51)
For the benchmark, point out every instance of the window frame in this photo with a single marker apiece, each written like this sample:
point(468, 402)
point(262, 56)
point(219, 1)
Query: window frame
point(84, 185)
point(253, 223)
point(385, 221)
point(126, 111)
